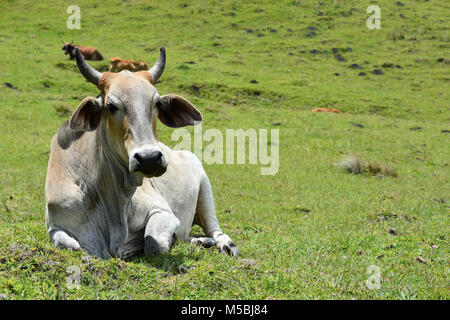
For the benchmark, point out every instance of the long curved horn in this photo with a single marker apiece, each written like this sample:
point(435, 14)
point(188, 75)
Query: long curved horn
point(158, 68)
point(86, 70)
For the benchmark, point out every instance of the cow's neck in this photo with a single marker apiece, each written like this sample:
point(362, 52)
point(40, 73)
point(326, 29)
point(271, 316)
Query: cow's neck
point(114, 168)
point(115, 186)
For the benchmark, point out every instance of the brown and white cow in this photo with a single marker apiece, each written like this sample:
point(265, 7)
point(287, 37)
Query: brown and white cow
point(112, 188)
point(119, 64)
point(89, 53)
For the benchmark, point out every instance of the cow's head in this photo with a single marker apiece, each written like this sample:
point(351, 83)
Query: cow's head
point(68, 47)
point(115, 60)
point(141, 65)
point(127, 109)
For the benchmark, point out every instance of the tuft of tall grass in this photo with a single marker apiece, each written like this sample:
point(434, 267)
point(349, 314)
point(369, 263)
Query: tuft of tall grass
point(357, 165)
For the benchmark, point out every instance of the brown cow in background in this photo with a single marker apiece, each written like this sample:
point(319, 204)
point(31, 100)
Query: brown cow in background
point(119, 64)
point(89, 53)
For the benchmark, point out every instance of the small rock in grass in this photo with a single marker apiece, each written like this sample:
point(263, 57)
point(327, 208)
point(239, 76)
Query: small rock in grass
point(182, 269)
point(195, 88)
point(380, 256)
point(356, 124)
point(339, 58)
point(378, 71)
point(355, 66)
point(247, 262)
point(253, 81)
point(9, 85)
point(421, 260)
point(304, 210)
point(362, 74)
point(393, 231)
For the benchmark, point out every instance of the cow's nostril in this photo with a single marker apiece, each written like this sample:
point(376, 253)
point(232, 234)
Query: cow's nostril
point(150, 163)
point(157, 155)
point(138, 157)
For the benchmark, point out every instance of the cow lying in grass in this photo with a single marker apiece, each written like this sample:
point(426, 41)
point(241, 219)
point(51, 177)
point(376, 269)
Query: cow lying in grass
point(119, 64)
point(89, 53)
point(112, 188)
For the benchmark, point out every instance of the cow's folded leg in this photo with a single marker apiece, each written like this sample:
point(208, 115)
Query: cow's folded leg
point(206, 218)
point(160, 233)
point(61, 239)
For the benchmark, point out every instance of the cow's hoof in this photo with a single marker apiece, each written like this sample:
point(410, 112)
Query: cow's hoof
point(154, 247)
point(151, 246)
point(228, 248)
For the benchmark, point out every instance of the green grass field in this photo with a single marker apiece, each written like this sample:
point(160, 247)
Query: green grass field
point(309, 232)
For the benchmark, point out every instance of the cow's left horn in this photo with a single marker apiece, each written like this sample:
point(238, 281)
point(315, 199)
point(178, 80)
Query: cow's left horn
point(158, 68)
point(86, 70)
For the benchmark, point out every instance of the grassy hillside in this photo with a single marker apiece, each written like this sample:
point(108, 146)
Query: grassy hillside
point(309, 232)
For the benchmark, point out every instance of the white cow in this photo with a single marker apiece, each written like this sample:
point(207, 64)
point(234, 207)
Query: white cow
point(112, 189)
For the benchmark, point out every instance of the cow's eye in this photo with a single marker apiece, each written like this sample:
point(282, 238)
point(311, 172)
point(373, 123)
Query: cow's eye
point(112, 108)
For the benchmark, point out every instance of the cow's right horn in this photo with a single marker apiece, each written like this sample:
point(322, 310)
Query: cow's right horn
point(86, 70)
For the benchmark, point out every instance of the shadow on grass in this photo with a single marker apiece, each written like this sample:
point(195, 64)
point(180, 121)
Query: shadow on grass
point(173, 262)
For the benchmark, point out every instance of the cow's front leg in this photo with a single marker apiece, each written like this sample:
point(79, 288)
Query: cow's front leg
point(206, 218)
point(159, 233)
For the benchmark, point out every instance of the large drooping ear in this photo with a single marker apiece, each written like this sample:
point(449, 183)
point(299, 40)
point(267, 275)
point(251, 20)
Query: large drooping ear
point(175, 111)
point(87, 116)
